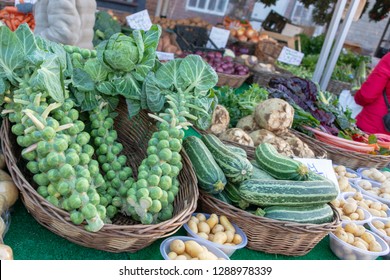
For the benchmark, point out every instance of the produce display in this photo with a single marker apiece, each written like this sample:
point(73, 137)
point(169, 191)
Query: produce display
point(167, 43)
point(349, 210)
point(343, 178)
point(242, 30)
point(376, 208)
point(168, 23)
point(377, 190)
point(358, 236)
point(13, 18)
point(52, 90)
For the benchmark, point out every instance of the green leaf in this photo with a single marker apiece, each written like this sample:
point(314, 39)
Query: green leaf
point(2, 86)
point(152, 97)
point(197, 73)
point(26, 38)
point(119, 60)
point(97, 70)
point(137, 35)
point(107, 88)
point(372, 139)
point(168, 74)
point(112, 101)
point(11, 54)
point(152, 36)
point(133, 107)
point(82, 81)
point(48, 78)
point(128, 86)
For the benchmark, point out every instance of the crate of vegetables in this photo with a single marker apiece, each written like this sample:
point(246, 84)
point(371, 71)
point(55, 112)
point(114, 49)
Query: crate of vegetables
point(230, 73)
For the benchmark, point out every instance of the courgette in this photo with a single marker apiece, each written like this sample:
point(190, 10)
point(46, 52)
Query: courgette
point(210, 176)
point(317, 214)
point(279, 166)
point(237, 150)
point(235, 168)
point(287, 193)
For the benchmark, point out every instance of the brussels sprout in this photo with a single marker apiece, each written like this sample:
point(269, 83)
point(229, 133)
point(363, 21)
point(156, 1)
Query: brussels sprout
point(82, 185)
point(76, 217)
point(153, 180)
point(165, 154)
point(89, 211)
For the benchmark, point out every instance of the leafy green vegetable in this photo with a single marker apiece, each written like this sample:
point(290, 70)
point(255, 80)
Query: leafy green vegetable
point(105, 26)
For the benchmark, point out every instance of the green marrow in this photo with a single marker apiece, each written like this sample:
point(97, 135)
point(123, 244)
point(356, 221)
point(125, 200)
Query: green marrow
point(279, 166)
point(237, 150)
point(317, 214)
point(236, 168)
point(210, 176)
point(287, 193)
point(233, 194)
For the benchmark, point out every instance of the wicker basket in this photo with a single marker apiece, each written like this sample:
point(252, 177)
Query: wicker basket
point(123, 235)
point(336, 87)
point(344, 157)
point(268, 235)
point(262, 78)
point(233, 81)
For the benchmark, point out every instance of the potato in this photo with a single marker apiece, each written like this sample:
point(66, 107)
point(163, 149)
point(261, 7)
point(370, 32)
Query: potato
point(226, 223)
point(335, 203)
point(343, 183)
point(192, 226)
point(359, 245)
point(8, 189)
point(349, 208)
point(3, 226)
point(177, 246)
point(181, 258)
point(207, 256)
point(351, 227)
point(193, 248)
point(374, 212)
point(172, 255)
point(354, 216)
point(203, 235)
point(351, 238)
point(201, 217)
point(195, 219)
point(212, 221)
point(220, 237)
point(204, 227)
point(368, 237)
point(237, 239)
point(376, 205)
point(361, 214)
point(365, 243)
point(358, 196)
point(360, 230)
point(230, 236)
point(218, 228)
point(387, 225)
point(387, 231)
point(378, 224)
point(340, 168)
point(366, 185)
point(342, 235)
point(211, 236)
point(375, 247)
point(6, 252)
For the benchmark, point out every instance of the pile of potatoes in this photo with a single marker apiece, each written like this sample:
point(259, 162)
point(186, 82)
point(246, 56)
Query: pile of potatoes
point(376, 208)
point(343, 177)
point(358, 236)
point(383, 191)
point(215, 229)
point(376, 175)
point(189, 250)
point(168, 23)
point(382, 227)
point(348, 210)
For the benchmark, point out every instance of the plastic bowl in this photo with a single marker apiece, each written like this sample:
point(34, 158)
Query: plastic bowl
point(345, 251)
point(227, 249)
point(371, 195)
point(384, 237)
point(360, 172)
point(349, 194)
point(164, 247)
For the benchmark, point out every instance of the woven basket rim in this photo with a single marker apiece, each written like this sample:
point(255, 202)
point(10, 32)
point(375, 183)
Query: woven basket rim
point(341, 150)
point(291, 226)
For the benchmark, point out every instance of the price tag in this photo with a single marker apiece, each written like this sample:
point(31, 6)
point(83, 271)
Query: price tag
point(219, 37)
point(290, 56)
point(323, 167)
point(139, 21)
point(164, 56)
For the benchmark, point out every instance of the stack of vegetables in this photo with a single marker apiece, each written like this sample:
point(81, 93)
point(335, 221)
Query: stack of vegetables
point(242, 30)
point(13, 18)
point(61, 102)
point(256, 119)
point(273, 186)
point(318, 113)
point(8, 196)
point(168, 23)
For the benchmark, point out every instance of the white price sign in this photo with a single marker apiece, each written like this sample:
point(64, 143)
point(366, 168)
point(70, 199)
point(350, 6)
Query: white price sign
point(323, 167)
point(139, 21)
point(164, 56)
point(290, 56)
point(219, 37)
